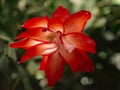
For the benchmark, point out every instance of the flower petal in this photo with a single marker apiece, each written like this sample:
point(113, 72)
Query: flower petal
point(76, 22)
point(54, 68)
point(41, 34)
point(72, 58)
point(24, 43)
point(75, 60)
point(22, 35)
point(80, 41)
point(35, 22)
point(61, 13)
point(38, 50)
point(43, 63)
point(55, 25)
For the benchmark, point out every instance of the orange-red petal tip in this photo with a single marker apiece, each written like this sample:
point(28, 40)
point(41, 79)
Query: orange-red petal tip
point(87, 13)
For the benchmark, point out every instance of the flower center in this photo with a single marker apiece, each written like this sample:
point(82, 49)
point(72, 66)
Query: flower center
point(51, 37)
point(60, 42)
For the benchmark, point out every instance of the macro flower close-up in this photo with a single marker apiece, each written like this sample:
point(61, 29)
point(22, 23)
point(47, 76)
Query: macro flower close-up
point(60, 40)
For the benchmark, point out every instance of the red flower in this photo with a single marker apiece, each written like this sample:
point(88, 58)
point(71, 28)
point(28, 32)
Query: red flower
point(60, 40)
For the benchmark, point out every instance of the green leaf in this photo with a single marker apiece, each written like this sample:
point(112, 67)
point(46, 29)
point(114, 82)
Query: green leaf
point(4, 36)
point(4, 62)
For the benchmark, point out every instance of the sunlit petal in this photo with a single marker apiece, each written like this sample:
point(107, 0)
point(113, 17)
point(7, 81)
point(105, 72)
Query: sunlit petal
point(76, 22)
point(38, 50)
point(24, 43)
point(80, 41)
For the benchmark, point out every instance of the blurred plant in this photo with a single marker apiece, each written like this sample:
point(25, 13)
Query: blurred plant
point(104, 28)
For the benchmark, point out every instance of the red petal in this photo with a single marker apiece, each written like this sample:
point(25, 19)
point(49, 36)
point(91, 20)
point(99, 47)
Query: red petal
point(87, 64)
point(43, 63)
point(80, 41)
point(75, 60)
point(35, 22)
point(38, 34)
point(61, 13)
point(72, 58)
point(54, 68)
point(22, 35)
point(24, 43)
point(55, 25)
point(76, 22)
point(38, 50)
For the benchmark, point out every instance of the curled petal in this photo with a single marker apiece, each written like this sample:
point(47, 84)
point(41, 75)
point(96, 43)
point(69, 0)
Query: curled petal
point(54, 68)
point(55, 25)
point(76, 60)
point(24, 43)
point(61, 13)
point(76, 22)
point(38, 50)
point(80, 41)
point(41, 34)
point(35, 22)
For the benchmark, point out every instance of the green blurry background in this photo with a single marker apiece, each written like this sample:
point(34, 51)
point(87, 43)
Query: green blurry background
point(104, 28)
